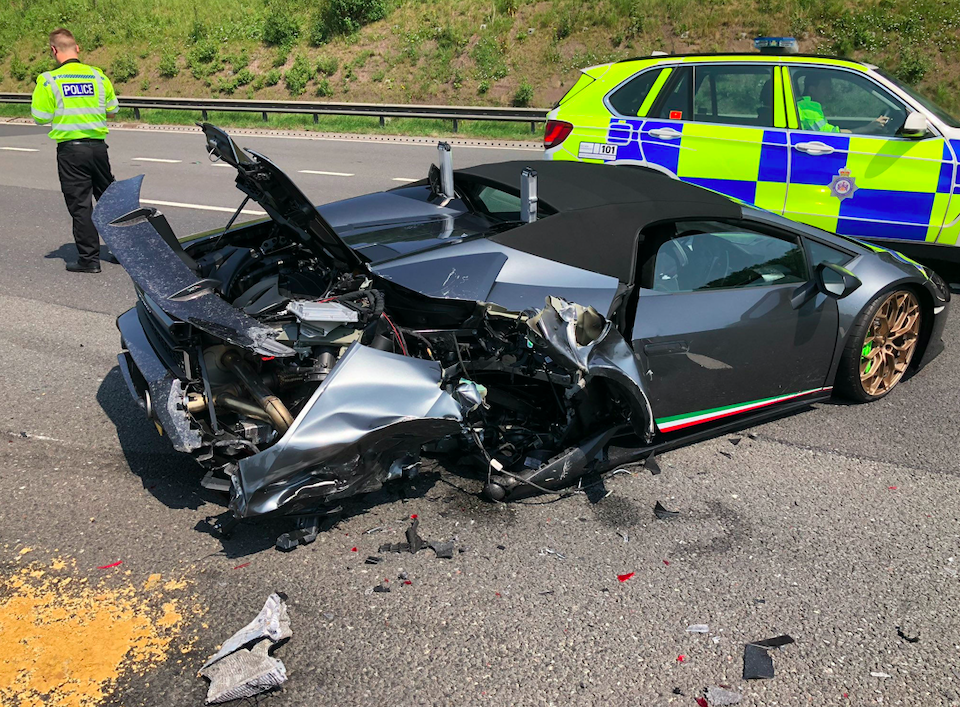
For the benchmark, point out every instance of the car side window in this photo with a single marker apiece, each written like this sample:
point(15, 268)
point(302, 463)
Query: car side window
point(714, 255)
point(734, 94)
point(835, 101)
point(627, 99)
point(675, 104)
point(822, 253)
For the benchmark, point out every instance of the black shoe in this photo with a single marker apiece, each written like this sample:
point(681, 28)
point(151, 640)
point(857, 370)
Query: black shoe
point(109, 258)
point(83, 267)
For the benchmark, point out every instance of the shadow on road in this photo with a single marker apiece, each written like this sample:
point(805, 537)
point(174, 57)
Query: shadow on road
point(172, 478)
point(68, 253)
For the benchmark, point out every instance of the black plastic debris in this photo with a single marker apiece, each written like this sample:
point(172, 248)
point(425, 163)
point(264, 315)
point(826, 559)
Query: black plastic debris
point(735, 440)
point(501, 547)
point(381, 589)
point(373, 560)
point(415, 544)
point(752, 435)
point(757, 663)
point(303, 535)
point(651, 465)
point(403, 576)
point(662, 513)
point(677, 691)
point(905, 637)
point(728, 455)
point(444, 550)
point(547, 593)
point(719, 697)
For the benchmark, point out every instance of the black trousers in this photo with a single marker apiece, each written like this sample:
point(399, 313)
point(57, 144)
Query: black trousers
point(84, 169)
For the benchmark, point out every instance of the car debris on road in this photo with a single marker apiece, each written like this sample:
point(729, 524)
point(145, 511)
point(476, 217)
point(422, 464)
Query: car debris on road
point(236, 670)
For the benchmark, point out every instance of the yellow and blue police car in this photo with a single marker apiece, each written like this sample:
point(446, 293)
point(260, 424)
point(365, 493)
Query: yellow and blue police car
point(832, 142)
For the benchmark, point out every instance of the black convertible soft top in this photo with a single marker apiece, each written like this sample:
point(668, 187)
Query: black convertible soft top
point(600, 210)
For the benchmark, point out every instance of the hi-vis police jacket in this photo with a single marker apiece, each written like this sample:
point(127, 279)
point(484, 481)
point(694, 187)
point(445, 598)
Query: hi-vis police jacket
point(76, 99)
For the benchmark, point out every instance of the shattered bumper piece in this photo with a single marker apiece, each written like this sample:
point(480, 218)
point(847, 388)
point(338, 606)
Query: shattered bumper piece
point(236, 671)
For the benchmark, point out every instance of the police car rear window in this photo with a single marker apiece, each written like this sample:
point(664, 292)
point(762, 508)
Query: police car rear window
point(627, 99)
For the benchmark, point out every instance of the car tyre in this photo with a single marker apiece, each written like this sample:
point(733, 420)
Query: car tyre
point(880, 347)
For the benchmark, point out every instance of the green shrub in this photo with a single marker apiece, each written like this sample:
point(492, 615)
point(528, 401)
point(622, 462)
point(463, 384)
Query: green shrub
point(238, 62)
point(323, 89)
point(198, 32)
point(489, 57)
point(226, 85)
point(123, 68)
point(243, 77)
point(168, 66)
point(272, 77)
point(145, 85)
point(523, 95)
point(338, 17)
point(506, 7)
point(564, 26)
point(483, 87)
point(327, 65)
point(913, 66)
point(204, 52)
point(280, 28)
point(283, 53)
point(297, 76)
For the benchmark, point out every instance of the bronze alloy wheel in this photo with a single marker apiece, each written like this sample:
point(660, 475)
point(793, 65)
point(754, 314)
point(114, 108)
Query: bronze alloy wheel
point(889, 343)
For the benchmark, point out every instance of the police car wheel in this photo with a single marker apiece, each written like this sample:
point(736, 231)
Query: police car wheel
point(880, 347)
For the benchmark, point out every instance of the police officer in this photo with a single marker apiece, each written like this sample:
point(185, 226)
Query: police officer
point(818, 89)
point(77, 99)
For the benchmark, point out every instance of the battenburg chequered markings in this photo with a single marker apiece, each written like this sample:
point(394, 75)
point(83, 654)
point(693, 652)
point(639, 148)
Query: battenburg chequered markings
point(737, 131)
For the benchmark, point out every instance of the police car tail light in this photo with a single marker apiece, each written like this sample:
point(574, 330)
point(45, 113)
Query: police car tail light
point(555, 133)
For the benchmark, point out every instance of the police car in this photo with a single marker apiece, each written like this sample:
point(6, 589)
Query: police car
point(831, 142)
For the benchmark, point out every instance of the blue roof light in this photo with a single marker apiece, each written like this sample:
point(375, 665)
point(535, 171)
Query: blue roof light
point(776, 45)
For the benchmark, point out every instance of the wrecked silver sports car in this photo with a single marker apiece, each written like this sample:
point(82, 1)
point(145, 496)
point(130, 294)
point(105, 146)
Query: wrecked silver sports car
point(318, 353)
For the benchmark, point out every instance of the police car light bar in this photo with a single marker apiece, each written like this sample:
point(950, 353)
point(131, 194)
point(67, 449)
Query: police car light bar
point(776, 45)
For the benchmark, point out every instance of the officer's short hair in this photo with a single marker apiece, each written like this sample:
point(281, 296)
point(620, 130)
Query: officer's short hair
point(62, 39)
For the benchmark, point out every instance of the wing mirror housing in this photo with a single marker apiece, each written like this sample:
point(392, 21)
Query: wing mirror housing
point(916, 126)
point(836, 281)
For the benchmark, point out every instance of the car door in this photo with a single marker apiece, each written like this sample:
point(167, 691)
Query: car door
point(718, 125)
point(856, 176)
point(715, 327)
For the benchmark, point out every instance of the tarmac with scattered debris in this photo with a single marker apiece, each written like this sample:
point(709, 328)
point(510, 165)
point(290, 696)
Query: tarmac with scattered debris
point(837, 526)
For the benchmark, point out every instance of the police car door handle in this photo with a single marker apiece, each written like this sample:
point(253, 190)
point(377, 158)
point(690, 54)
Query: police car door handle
point(665, 133)
point(814, 148)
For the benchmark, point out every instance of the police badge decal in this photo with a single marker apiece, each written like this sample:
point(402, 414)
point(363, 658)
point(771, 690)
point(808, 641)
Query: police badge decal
point(843, 185)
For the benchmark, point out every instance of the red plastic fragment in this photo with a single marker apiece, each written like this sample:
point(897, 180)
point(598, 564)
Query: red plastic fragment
point(353, 549)
point(413, 517)
point(625, 577)
point(666, 562)
point(267, 358)
point(407, 581)
point(240, 567)
point(891, 488)
point(115, 564)
point(681, 658)
point(702, 701)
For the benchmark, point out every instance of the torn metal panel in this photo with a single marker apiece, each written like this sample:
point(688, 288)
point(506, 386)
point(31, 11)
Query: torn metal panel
point(166, 278)
point(375, 407)
point(581, 340)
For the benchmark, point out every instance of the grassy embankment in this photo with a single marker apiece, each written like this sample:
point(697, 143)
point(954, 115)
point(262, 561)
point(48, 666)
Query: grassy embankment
point(496, 52)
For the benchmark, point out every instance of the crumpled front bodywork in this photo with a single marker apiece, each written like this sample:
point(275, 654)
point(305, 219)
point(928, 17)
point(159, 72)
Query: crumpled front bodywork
point(607, 355)
point(375, 409)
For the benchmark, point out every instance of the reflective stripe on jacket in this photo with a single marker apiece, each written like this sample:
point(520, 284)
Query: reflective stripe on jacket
point(76, 99)
point(812, 118)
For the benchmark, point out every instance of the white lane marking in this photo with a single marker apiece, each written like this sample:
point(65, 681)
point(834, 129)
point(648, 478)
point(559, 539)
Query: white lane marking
point(202, 207)
point(404, 179)
point(221, 164)
point(154, 159)
point(329, 174)
point(19, 149)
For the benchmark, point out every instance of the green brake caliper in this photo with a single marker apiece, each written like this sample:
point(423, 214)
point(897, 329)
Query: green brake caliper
point(865, 353)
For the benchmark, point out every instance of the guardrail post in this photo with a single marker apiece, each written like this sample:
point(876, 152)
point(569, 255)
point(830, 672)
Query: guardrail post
point(136, 113)
point(316, 118)
point(264, 115)
point(383, 121)
point(203, 115)
point(533, 126)
point(456, 124)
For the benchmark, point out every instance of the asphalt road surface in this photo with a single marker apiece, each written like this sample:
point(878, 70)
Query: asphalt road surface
point(835, 526)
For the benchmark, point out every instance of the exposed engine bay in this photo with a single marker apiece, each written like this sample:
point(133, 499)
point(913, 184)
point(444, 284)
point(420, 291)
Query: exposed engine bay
point(299, 377)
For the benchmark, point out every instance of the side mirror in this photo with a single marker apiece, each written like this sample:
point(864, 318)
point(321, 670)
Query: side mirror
point(836, 281)
point(915, 126)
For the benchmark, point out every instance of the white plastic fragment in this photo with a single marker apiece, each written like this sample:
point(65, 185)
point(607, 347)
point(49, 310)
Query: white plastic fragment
point(698, 628)
point(717, 697)
point(880, 675)
point(236, 671)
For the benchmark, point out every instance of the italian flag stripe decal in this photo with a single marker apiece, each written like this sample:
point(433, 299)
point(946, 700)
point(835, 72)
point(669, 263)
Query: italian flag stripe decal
point(678, 422)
